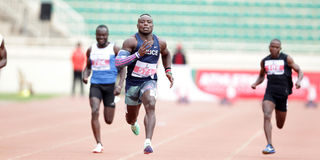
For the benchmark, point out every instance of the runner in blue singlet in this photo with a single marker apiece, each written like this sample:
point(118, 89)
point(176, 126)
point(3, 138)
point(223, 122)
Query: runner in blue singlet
point(101, 61)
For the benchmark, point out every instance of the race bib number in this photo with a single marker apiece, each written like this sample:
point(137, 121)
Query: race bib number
point(143, 69)
point(274, 67)
point(100, 64)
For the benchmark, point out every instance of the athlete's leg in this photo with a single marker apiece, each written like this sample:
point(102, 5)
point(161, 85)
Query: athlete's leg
point(95, 105)
point(108, 102)
point(109, 114)
point(281, 118)
point(132, 113)
point(267, 107)
point(133, 104)
point(149, 102)
point(73, 83)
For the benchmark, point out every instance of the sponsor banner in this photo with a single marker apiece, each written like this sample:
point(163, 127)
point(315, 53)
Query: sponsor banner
point(237, 84)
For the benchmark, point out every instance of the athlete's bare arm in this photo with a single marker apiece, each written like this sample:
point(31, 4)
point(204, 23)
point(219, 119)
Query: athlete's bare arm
point(260, 78)
point(122, 74)
point(297, 69)
point(3, 55)
point(87, 70)
point(166, 60)
point(116, 49)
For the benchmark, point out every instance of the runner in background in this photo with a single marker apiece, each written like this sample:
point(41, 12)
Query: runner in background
point(278, 67)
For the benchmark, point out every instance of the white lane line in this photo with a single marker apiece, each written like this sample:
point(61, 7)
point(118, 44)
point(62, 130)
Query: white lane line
point(244, 145)
point(63, 144)
point(188, 131)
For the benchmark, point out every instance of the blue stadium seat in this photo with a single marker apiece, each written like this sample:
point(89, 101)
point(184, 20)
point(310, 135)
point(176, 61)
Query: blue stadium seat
point(236, 20)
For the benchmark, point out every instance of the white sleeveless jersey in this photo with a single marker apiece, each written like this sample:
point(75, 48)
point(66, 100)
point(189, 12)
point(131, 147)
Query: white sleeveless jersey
point(100, 57)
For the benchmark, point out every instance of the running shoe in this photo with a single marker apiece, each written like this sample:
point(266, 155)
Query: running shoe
point(269, 149)
point(135, 128)
point(98, 149)
point(148, 149)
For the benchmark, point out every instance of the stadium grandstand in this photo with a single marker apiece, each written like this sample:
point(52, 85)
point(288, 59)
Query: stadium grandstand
point(203, 22)
point(199, 24)
point(207, 27)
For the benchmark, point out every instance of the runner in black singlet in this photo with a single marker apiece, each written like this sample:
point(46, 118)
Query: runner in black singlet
point(278, 68)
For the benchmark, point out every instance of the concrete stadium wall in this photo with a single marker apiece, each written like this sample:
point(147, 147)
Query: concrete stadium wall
point(247, 61)
point(49, 68)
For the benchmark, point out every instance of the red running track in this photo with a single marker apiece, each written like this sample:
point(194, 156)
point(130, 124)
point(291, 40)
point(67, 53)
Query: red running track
point(60, 129)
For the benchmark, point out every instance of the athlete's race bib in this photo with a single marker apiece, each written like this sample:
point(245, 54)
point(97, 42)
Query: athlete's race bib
point(143, 69)
point(274, 67)
point(100, 64)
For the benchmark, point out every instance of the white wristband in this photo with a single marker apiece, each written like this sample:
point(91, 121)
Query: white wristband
point(137, 55)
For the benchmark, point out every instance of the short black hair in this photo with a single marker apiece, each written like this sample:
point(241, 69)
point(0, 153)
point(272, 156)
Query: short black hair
point(275, 39)
point(145, 14)
point(102, 26)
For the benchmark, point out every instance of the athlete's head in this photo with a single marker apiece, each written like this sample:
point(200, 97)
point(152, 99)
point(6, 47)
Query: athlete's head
point(275, 47)
point(102, 34)
point(145, 24)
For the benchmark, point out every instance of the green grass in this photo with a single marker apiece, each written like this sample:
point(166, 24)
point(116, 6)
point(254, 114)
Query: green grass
point(19, 98)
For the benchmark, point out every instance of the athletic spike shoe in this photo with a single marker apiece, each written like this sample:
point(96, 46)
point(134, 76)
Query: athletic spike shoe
point(98, 149)
point(269, 149)
point(148, 149)
point(135, 128)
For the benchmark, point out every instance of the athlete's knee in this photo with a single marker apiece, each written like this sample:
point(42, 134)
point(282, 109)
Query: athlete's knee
point(267, 116)
point(149, 102)
point(94, 111)
point(130, 120)
point(95, 115)
point(150, 110)
point(280, 124)
point(108, 120)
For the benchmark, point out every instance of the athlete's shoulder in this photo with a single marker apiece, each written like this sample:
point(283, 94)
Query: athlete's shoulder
point(162, 42)
point(267, 57)
point(111, 44)
point(130, 42)
point(284, 54)
point(1, 39)
point(88, 52)
point(116, 48)
point(132, 38)
point(94, 45)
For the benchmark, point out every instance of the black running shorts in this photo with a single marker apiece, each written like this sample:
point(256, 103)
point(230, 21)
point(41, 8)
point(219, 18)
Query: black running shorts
point(281, 102)
point(104, 92)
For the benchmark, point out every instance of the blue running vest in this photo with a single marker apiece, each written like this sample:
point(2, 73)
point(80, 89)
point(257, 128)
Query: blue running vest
point(103, 66)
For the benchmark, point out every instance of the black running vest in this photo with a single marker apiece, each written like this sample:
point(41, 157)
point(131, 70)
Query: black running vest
point(279, 75)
